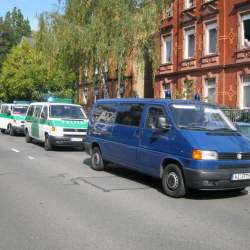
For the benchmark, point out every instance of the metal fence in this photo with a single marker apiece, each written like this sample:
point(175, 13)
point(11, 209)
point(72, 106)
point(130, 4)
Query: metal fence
point(241, 117)
point(238, 115)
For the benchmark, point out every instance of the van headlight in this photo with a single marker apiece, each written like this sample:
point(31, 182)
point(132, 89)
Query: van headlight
point(57, 131)
point(204, 155)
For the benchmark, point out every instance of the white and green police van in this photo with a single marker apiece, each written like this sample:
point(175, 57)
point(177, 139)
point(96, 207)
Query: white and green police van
point(56, 124)
point(12, 117)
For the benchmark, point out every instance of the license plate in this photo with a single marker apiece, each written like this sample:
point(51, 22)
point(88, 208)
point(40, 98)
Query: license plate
point(76, 139)
point(239, 177)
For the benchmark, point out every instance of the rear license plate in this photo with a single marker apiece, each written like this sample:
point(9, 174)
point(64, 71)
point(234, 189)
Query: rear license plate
point(239, 177)
point(76, 139)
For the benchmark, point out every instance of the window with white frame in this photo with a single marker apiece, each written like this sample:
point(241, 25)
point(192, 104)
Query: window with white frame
point(210, 90)
point(211, 38)
point(245, 92)
point(189, 3)
point(167, 49)
point(189, 43)
point(245, 30)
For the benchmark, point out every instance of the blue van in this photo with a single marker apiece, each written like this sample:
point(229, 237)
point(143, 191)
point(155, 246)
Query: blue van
point(187, 144)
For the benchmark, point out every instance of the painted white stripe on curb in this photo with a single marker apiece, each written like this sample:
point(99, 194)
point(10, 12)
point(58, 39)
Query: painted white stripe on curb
point(15, 150)
point(31, 157)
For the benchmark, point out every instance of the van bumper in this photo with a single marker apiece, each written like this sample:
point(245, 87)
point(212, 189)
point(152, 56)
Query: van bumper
point(214, 180)
point(18, 129)
point(66, 141)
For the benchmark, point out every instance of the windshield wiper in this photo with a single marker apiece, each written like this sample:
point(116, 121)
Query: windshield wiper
point(72, 118)
point(193, 127)
point(224, 129)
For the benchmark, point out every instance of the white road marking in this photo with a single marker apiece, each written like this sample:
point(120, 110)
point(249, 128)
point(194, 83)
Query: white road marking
point(31, 157)
point(15, 150)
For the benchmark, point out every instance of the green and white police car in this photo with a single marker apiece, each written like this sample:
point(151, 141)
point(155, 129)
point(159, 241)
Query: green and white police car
point(12, 117)
point(56, 124)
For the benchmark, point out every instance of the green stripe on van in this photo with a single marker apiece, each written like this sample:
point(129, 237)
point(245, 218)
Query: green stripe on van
point(13, 117)
point(68, 123)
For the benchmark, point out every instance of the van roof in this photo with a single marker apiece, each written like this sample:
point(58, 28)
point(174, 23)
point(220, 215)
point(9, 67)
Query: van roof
point(53, 103)
point(149, 101)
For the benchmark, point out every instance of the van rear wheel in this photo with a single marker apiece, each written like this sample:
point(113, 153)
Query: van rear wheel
point(28, 139)
point(97, 163)
point(173, 181)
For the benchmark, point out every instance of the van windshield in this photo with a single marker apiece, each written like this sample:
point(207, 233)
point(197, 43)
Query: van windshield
point(67, 112)
point(20, 110)
point(200, 117)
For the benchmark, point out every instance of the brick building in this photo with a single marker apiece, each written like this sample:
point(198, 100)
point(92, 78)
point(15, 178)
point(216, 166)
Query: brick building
point(206, 43)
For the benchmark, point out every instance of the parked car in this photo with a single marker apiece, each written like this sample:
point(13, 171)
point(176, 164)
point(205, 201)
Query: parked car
point(187, 144)
point(56, 124)
point(12, 117)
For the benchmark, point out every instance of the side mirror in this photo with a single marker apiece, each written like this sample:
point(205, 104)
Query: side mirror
point(163, 124)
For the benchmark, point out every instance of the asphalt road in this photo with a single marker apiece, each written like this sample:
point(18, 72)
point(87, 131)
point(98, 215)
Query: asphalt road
point(54, 200)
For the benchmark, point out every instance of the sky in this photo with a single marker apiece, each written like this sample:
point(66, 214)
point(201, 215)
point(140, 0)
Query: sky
point(30, 8)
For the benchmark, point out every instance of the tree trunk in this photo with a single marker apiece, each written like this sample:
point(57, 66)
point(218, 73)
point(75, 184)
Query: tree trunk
point(148, 77)
point(80, 85)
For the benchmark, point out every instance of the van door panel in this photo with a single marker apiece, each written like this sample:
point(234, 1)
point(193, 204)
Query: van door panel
point(154, 144)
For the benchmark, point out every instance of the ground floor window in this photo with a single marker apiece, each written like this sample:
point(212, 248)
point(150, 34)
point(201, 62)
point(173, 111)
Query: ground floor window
point(210, 90)
point(245, 92)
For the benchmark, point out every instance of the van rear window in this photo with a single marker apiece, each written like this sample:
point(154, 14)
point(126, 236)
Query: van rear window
point(20, 110)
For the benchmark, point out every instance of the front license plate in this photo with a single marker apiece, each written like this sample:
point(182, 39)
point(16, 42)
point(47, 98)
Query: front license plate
point(239, 177)
point(76, 139)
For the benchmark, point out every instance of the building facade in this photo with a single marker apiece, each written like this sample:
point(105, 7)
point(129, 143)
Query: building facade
point(205, 45)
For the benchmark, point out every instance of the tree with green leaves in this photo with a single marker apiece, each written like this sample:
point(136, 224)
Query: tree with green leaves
point(19, 25)
point(91, 32)
point(12, 28)
point(25, 76)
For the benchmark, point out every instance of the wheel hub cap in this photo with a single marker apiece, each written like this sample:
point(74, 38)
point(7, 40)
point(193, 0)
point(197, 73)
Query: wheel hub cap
point(172, 180)
point(96, 159)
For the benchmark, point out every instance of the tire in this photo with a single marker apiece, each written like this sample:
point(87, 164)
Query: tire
point(3, 131)
point(47, 144)
point(173, 181)
point(97, 163)
point(28, 139)
point(12, 131)
point(7, 131)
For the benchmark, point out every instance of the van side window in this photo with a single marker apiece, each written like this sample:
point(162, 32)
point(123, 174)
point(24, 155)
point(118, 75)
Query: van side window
point(45, 112)
point(31, 110)
point(38, 111)
point(129, 114)
point(6, 109)
point(104, 114)
point(153, 114)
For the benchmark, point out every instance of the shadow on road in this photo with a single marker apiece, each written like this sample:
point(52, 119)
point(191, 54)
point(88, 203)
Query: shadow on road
point(155, 183)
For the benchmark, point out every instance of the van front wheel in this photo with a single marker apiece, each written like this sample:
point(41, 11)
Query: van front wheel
point(47, 144)
point(12, 131)
point(173, 181)
point(28, 139)
point(97, 162)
